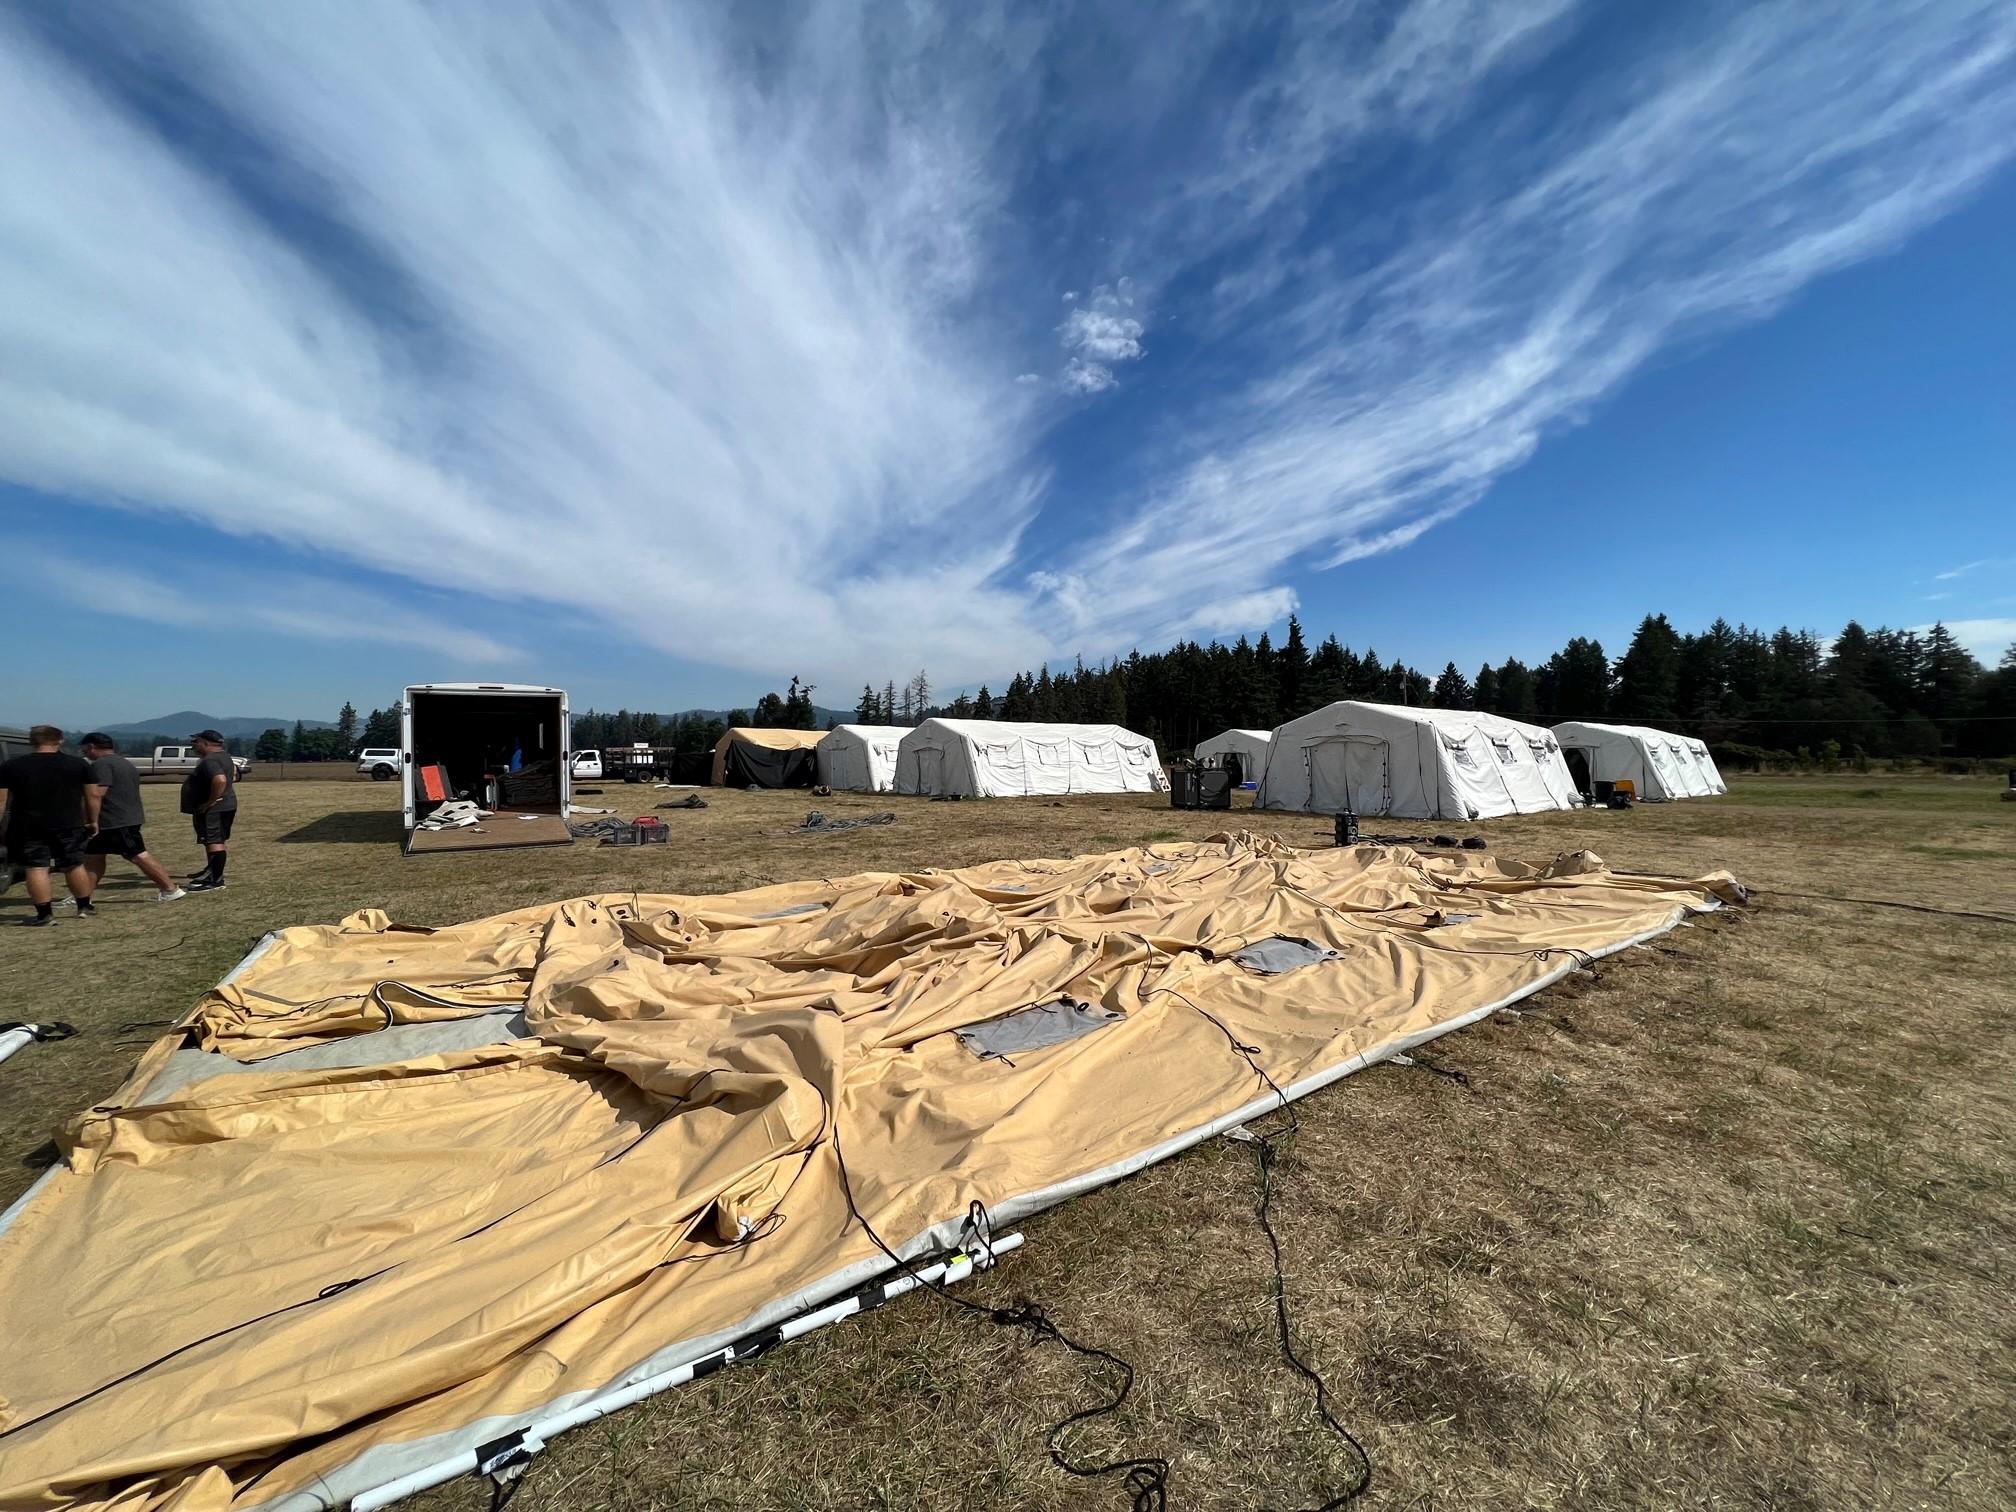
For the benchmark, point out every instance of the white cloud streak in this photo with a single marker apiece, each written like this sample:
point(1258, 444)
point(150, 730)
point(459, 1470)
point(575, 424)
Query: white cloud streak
point(230, 600)
point(1706, 187)
point(1967, 568)
point(636, 316)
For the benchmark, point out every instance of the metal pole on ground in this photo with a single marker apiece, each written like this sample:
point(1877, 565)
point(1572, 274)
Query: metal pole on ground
point(515, 1450)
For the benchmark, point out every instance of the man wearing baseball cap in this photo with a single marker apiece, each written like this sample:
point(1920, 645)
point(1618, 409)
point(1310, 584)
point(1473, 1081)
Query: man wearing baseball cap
point(210, 799)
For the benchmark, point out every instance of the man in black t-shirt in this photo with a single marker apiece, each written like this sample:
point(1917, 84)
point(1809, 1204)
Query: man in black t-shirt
point(116, 782)
point(49, 812)
point(210, 799)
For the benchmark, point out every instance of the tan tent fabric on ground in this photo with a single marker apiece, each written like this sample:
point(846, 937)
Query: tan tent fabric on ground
point(269, 1287)
point(775, 740)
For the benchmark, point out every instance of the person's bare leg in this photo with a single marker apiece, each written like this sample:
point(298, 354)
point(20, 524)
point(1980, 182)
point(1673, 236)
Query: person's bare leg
point(38, 885)
point(154, 871)
point(79, 879)
point(95, 864)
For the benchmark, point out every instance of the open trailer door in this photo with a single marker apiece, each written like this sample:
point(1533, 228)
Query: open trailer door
point(501, 746)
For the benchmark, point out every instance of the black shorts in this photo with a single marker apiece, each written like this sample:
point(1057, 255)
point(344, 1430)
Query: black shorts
point(122, 841)
point(40, 847)
point(213, 826)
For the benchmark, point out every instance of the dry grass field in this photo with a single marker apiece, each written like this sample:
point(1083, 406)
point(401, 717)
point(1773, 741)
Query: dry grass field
point(1730, 1224)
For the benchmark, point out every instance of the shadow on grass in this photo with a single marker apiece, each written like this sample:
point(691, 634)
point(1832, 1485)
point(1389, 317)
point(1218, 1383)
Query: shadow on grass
point(349, 827)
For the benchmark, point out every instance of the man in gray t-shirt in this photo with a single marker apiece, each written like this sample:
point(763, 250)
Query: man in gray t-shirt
point(116, 782)
point(210, 799)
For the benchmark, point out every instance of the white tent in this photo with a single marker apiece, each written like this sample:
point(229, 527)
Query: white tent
point(1658, 764)
point(1250, 746)
point(1414, 764)
point(984, 758)
point(856, 758)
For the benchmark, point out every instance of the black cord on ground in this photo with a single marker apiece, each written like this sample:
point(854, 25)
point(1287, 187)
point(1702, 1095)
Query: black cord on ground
point(1264, 1151)
point(1421, 1062)
point(1924, 908)
point(1146, 1477)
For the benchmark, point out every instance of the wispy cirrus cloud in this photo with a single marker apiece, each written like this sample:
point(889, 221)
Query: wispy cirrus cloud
point(1704, 187)
point(1967, 568)
point(294, 605)
point(755, 326)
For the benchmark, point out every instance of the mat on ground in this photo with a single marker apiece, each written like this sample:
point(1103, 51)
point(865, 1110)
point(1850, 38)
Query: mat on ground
point(287, 1283)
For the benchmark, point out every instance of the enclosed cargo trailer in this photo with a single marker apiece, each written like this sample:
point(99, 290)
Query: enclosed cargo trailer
point(503, 745)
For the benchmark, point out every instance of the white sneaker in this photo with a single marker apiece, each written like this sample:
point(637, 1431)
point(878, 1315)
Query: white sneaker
point(170, 896)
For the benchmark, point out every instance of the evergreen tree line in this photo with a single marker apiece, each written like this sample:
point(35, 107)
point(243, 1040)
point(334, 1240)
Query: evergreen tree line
point(1756, 698)
point(789, 710)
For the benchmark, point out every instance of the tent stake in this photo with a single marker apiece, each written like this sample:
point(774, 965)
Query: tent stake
point(517, 1449)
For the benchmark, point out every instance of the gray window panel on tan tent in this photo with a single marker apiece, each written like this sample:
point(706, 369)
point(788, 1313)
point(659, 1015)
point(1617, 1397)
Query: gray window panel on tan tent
point(1281, 953)
point(384, 1047)
point(1035, 1027)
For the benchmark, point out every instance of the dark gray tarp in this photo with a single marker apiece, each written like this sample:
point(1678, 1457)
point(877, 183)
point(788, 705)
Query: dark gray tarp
point(746, 764)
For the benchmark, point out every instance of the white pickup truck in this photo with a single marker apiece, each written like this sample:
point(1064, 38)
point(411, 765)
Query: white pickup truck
point(177, 761)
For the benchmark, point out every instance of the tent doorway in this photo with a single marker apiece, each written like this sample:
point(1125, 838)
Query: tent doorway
point(1578, 768)
point(1350, 772)
point(930, 770)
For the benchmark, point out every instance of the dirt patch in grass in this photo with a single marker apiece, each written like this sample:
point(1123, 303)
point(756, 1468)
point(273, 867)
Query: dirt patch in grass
point(1729, 1222)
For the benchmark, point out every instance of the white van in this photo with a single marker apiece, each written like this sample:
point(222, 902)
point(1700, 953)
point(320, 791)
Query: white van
point(588, 766)
point(502, 746)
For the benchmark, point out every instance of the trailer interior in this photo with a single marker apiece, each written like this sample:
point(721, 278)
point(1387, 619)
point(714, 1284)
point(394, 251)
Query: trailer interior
point(504, 749)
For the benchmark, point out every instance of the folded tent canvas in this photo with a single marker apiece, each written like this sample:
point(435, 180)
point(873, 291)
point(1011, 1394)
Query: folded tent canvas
point(527, 1146)
point(985, 758)
point(1408, 763)
point(857, 758)
point(1249, 746)
point(1658, 764)
point(768, 758)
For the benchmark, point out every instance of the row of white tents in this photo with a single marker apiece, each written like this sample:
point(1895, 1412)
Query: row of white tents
point(986, 758)
point(1374, 759)
point(1454, 764)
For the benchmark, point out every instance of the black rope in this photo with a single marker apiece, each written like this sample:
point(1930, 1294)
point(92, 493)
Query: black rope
point(1924, 908)
point(1265, 1153)
point(1146, 1477)
point(1421, 1062)
point(230, 1328)
point(43, 1033)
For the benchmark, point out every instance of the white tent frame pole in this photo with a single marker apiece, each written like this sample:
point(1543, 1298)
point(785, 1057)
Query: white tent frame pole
point(516, 1450)
point(14, 1039)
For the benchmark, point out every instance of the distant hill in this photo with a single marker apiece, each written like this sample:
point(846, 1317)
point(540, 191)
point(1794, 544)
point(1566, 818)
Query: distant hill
point(175, 727)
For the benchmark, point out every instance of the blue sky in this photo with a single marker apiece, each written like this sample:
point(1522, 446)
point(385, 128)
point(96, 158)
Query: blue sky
point(666, 352)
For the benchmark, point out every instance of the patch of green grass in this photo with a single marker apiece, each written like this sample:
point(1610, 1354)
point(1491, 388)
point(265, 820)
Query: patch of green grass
point(1960, 853)
point(1927, 794)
